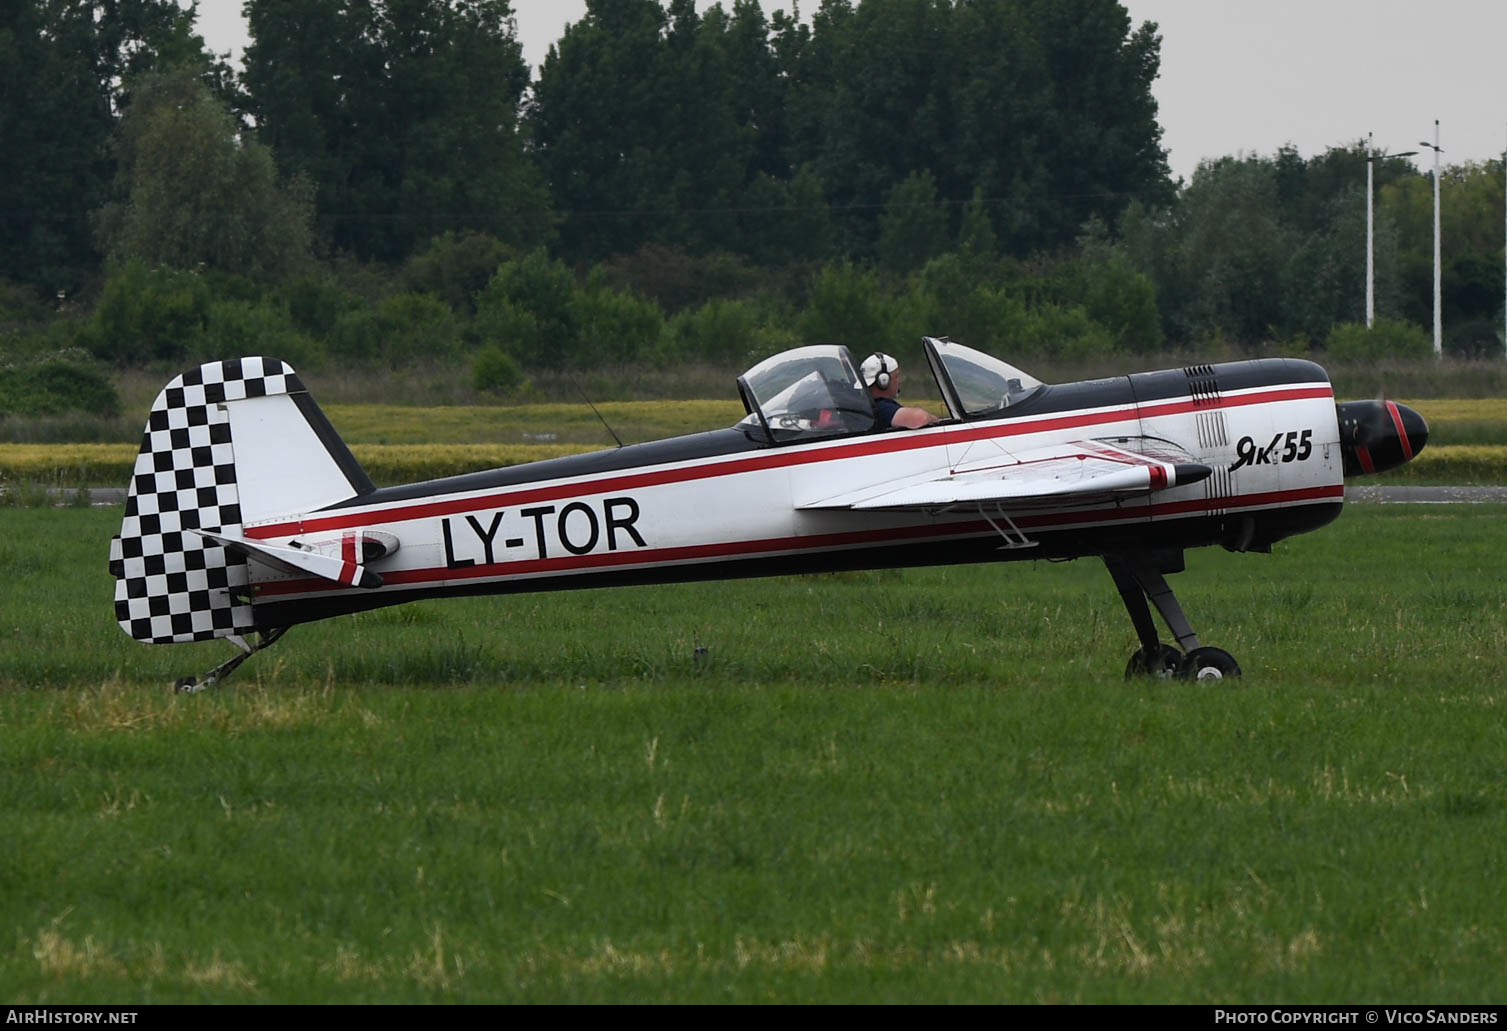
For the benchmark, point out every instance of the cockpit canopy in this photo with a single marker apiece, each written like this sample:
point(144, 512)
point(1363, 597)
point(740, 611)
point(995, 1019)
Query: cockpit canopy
point(974, 383)
point(806, 393)
point(814, 392)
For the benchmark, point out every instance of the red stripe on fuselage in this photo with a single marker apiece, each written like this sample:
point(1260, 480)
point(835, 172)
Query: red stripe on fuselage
point(812, 542)
point(775, 459)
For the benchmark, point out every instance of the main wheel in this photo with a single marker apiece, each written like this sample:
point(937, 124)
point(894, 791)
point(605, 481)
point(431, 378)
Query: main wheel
point(1208, 664)
point(1165, 662)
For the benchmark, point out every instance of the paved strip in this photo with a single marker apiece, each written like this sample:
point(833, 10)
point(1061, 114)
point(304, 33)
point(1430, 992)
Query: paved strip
point(1369, 495)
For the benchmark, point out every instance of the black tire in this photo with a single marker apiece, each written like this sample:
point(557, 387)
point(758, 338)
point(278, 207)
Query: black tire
point(1166, 662)
point(1208, 664)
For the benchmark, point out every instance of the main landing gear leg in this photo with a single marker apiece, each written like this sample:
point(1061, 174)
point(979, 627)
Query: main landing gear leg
point(1139, 576)
point(193, 685)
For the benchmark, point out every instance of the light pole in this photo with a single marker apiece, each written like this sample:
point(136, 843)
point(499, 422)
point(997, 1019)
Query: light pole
point(1438, 322)
point(1371, 158)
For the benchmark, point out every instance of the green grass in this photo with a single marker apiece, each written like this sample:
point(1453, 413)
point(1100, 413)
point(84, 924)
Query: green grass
point(929, 785)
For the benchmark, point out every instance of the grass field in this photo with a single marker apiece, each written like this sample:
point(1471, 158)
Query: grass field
point(930, 785)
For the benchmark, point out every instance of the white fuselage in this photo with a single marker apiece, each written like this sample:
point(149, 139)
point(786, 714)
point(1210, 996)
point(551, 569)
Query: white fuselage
point(1272, 447)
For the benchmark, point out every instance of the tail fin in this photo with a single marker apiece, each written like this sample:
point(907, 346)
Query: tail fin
point(226, 445)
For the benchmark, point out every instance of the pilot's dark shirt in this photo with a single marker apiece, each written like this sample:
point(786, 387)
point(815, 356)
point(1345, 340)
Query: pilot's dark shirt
point(884, 412)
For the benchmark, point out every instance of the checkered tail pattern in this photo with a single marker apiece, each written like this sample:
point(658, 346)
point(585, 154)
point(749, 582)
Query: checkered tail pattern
point(173, 585)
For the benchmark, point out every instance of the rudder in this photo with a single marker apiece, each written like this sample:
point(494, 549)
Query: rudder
point(226, 444)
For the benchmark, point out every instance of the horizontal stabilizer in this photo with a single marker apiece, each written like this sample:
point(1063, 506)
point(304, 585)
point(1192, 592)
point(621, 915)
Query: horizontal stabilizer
point(343, 568)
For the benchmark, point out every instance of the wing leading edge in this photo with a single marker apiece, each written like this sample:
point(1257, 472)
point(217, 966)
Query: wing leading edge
point(1060, 474)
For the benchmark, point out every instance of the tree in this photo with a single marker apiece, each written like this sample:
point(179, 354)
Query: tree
point(403, 113)
point(786, 220)
point(1043, 106)
point(65, 66)
point(649, 123)
point(528, 309)
point(871, 102)
point(1261, 249)
point(976, 237)
point(913, 226)
point(1470, 200)
point(655, 124)
point(1219, 259)
point(191, 194)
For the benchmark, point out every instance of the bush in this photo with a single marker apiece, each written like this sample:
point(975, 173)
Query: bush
point(20, 306)
point(1065, 334)
point(147, 315)
point(402, 331)
point(1116, 297)
point(614, 328)
point(1473, 338)
point(528, 309)
point(513, 330)
point(1387, 338)
point(845, 307)
point(416, 327)
point(456, 268)
point(238, 328)
point(717, 331)
point(315, 304)
point(494, 371)
point(677, 280)
point(356, 336)
point(62, 338)
point(56, 386)
point(1005, 325)
point(907, 318)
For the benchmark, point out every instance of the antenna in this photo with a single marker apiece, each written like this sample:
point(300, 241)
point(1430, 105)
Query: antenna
point(576, 383)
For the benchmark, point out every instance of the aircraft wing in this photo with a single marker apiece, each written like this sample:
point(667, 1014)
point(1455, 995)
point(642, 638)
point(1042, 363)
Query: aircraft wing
point(1060, 474)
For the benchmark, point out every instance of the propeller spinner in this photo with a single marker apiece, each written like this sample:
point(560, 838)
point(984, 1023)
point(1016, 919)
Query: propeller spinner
point(1379, 435)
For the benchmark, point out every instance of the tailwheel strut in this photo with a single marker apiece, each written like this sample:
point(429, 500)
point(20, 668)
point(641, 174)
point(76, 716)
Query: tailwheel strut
point(1139, 576)
point(193, 685)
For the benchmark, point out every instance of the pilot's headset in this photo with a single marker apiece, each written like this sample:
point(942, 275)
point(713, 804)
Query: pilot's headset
point(880, 377)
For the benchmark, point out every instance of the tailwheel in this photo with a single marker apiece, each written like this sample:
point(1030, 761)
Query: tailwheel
point(193, 685)
point(1208, 664)
point(1164, 661)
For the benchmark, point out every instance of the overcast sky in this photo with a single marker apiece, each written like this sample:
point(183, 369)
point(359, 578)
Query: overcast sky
point(1247, 76)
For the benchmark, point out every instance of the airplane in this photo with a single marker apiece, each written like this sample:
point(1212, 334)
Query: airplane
point(247, 515)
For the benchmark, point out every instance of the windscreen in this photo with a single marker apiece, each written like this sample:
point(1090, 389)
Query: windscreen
point(981, 382)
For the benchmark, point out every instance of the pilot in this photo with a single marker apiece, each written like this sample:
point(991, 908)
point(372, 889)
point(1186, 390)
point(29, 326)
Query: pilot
point(881, 374)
